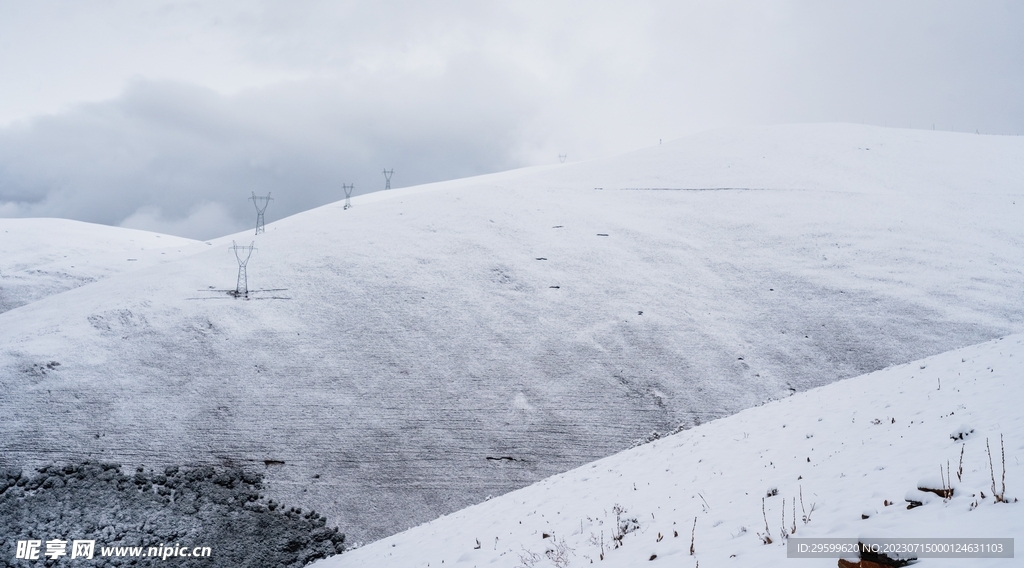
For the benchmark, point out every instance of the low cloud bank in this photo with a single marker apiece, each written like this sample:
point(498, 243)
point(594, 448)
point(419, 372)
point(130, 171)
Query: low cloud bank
point(184, 160)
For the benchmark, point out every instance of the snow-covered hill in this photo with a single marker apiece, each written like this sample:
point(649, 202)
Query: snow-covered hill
point(431, 346)
point(42, 257)
point(846, 457)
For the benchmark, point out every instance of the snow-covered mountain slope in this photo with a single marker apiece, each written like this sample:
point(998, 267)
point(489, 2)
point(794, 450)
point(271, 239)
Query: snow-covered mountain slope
point(824, 157)
point(42, 257)
point(431, 346)
point(834, 455)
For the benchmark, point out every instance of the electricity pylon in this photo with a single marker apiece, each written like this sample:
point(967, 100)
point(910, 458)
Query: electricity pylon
point(562, 157)
point(348, 194)
point(242, 286)
point(256, 200)
point(387, 178)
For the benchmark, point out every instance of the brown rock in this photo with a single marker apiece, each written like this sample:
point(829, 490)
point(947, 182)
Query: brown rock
point(860, 564)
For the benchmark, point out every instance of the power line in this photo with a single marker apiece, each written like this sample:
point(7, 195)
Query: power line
point(256, 200)
point(348, 194)
point(242, 286)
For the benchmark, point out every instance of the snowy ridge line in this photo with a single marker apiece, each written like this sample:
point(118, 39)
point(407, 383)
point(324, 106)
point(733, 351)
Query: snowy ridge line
point(854, 459)
point(44, 257)
point(712, 189)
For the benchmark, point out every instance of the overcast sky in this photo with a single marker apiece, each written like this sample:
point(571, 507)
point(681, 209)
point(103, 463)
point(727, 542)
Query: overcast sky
point(167, 115)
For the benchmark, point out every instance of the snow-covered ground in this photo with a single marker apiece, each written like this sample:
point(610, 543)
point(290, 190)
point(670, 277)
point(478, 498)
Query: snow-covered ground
point(833, 455)
point(42, 257)
point(430, 346)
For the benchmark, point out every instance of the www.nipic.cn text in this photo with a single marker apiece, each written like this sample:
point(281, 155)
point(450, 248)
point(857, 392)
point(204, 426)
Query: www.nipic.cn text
point(59, 548)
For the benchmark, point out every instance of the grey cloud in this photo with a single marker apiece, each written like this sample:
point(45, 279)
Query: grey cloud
point(181, 158)
point(447, 89)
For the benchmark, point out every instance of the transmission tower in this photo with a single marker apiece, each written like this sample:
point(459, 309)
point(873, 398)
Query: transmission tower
point(242, 287)
point(348, 194)
point(562, 157)
point(257, 200)
point(387, 178)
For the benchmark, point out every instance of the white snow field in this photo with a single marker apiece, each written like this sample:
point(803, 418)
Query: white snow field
point(431, 346)
point(846, 449)
point(42, 257)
